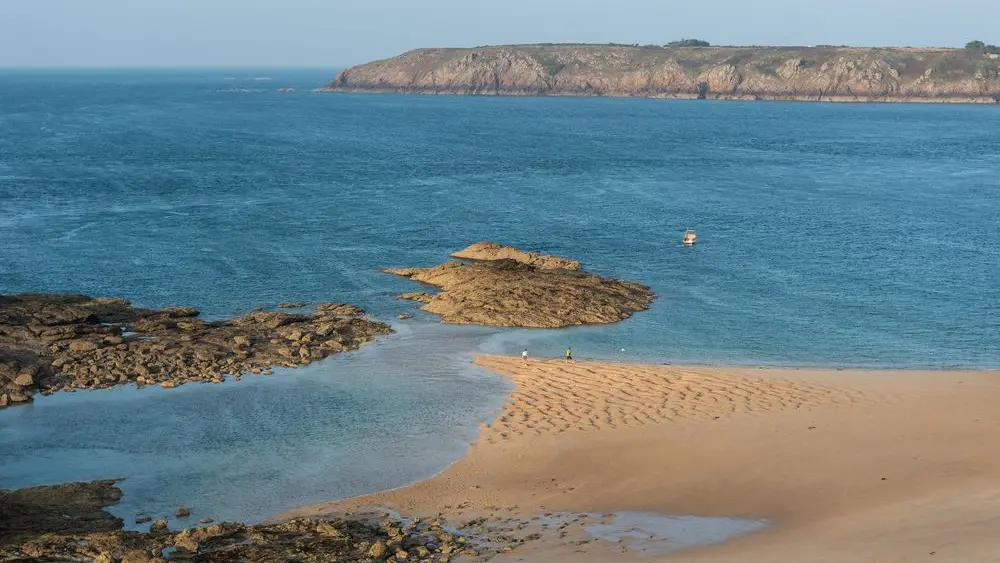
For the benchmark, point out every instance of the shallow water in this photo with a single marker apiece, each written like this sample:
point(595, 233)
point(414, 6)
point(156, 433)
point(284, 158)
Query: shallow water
point(646, 533)
point(247, 450)
point(860, 235)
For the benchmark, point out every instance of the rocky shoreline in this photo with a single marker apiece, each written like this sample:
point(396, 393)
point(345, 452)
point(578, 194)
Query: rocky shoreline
point(53, 342)
point(821, 73)
point(69, 523)
point(505, 286)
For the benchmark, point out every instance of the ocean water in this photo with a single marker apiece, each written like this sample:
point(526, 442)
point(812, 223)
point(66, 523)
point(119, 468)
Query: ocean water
point(839, 235)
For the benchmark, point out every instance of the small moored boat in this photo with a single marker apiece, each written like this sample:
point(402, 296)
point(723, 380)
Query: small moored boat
point(689, 237)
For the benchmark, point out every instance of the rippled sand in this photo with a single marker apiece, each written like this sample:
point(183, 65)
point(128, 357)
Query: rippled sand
point(554, 396)
point(845, 465)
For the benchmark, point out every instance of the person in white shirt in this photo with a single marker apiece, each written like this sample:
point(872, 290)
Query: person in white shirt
point(524, 355)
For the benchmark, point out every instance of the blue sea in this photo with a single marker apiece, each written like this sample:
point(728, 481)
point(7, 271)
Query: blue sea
point(832, 235)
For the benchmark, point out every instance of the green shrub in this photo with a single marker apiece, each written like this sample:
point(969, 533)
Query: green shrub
point(689, 43)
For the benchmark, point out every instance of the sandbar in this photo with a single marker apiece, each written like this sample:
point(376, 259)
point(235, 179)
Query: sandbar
point(844, 465)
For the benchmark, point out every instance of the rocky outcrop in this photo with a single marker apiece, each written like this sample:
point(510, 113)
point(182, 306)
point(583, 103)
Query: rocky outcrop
point(509, 287)
point(744, 73)
point(496, 251)
point(74, 508)
point(66, 342)
point(68, 523)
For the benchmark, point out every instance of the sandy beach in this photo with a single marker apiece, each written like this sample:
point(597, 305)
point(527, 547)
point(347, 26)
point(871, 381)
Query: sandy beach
point(867, 466)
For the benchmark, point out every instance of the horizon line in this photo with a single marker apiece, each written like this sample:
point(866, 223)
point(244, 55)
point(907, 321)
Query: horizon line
point(4, 67)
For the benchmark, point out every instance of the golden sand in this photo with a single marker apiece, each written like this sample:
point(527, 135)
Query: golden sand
point(849, 466)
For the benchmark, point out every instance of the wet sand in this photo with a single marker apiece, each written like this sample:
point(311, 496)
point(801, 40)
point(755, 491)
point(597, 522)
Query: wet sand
point(844, 466)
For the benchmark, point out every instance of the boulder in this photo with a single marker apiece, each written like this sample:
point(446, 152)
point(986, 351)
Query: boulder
point(16, 397)
point(24, 379)
point(420, 296)
point(340, 309)
point(137, 556)
point(182, 512)
point(186, 542)
point(180, 312)
point(291, 305)
point(328, 530)
point(83, 346)
point(378, 550)
point(158, 526)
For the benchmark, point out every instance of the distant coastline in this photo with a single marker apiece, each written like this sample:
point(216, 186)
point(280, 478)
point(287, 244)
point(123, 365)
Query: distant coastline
point(827, 74)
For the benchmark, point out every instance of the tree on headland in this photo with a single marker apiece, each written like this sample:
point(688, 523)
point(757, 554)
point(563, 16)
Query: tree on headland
point(978, 46)
point(689, 43)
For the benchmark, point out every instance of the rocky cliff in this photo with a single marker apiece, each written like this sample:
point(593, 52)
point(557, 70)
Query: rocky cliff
point(744, 73)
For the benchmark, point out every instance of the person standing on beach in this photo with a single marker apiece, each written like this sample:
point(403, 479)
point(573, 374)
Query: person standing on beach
point(569, 354)
point(524, 355)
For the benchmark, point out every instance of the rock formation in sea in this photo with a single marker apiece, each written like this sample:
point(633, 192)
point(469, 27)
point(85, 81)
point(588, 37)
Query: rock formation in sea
point(51, 342)
point(823, 73)
point(485, 251)
point(504, 286)
point(74, 508)
point(68, 523)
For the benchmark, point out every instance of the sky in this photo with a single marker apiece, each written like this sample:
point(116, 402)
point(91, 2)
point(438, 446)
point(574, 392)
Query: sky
point(340, 33)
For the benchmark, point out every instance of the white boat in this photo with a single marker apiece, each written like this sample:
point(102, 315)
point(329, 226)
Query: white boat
point(689, 237)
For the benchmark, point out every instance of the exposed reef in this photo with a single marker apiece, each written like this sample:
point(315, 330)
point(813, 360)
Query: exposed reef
point(504, 286)
point(51, 342)
point(68, 523)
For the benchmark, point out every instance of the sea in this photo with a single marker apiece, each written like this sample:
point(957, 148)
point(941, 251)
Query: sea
point(840, 235)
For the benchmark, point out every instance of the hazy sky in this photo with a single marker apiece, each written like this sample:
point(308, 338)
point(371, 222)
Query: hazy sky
point(334, 33)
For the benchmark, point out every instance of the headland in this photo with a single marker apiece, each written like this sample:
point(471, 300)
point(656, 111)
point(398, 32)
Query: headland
point(820, 73)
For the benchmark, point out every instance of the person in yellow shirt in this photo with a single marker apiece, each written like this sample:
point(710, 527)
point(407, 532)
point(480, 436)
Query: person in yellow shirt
point(569, 354)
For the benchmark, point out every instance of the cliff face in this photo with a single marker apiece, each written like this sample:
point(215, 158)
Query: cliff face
point(750, 73)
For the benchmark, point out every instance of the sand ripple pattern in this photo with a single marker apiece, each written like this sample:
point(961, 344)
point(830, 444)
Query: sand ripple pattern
point(554, 396)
